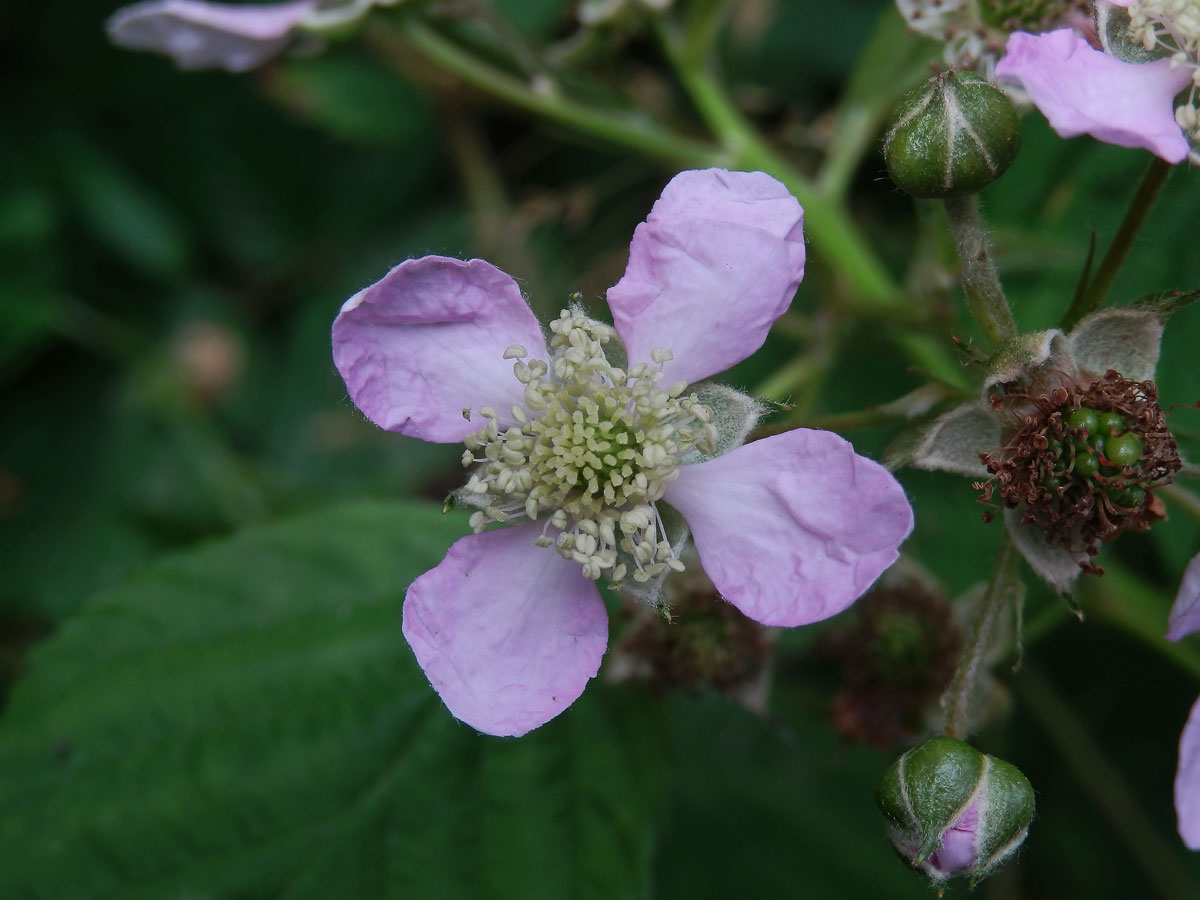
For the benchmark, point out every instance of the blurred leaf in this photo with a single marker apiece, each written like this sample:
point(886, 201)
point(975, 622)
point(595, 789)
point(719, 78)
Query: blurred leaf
point(784, 809)
point(354, 99)
point(120, 211)
point(245, 721)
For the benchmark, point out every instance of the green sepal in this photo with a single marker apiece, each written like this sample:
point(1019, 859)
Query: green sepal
point(927, 787)
point(941, 774)
point(1010, 806)
point(734, 416)
point(1112, 28)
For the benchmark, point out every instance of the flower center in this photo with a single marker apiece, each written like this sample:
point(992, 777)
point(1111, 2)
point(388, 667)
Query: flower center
point(1172, 27)
point(1083, 460)
point(591, 452)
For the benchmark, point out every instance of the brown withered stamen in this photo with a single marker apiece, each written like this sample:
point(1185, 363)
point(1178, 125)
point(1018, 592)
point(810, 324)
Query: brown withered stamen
point(1057, 472)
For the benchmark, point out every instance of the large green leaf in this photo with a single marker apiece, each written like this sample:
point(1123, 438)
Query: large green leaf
point(245, 720)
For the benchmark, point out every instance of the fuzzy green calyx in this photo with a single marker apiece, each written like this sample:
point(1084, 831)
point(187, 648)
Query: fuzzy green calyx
point(955, 134)
point(952, 810)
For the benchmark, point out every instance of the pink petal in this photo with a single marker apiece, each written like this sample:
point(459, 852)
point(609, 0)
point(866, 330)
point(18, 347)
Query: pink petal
point(795, 527)
point(1187, 781)
point(428, 340)
point(1185, 613)
point(199, 35)
point(507, 633)
point(1081, 90)
point(716, 262)
point(958, 853)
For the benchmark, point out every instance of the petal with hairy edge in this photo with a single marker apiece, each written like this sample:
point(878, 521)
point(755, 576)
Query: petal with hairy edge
point(716, 262)
point(508, 633)
point(1081, 90)
point(1185, 613)
point(200, 35)
point(427, 341)
point(1187, 781)
point(795, 527)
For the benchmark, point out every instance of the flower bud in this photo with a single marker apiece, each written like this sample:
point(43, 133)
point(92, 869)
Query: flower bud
point(955, 134)
point(952, 810)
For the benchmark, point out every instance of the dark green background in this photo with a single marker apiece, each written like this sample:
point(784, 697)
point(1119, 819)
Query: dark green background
point(199, 596)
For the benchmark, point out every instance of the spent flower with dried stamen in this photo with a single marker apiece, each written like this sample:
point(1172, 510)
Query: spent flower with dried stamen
point(1067, 437)
point(1083, 461)
point(600, 450)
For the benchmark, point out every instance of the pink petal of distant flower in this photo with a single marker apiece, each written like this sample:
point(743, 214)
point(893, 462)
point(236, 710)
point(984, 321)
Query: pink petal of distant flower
point(199, 35)
point(508, 633)
point(716, 262)
point(1185, 613)
point(1081, 90)
point(1119, 2)
point(428, 340)
point(795, 527)
point(1187, 781)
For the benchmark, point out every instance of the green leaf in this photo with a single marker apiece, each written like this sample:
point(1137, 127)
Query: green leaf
point(122, 212)
point(357, 100)
point(244, 720)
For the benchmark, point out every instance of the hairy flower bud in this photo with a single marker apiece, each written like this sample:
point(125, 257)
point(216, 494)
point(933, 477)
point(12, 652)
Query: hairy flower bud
point(952, 810)
point(955, 134)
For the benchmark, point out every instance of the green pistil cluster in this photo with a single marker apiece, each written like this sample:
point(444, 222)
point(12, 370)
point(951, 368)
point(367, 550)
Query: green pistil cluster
point(1082, 462)
point(1098, 452)
point(590, 453)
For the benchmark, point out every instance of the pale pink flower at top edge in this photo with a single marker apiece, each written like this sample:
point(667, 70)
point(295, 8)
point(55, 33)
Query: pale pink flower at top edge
point(1082, 90)
point(201, 35)
point(791, 528)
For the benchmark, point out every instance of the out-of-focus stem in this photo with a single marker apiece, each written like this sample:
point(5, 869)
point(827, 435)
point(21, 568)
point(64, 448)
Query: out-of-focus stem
point(1181, 497)
point(1001, 589)
point(1135, 217)
point(985, 296)
point(1103, 783)
point(838, 240)
point(634, 133)
point(1124, 601)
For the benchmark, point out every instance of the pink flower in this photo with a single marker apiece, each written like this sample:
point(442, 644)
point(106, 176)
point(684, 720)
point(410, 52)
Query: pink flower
point(199, 35)
point(1185, 620)
point(593, 464)
point(1081, 90)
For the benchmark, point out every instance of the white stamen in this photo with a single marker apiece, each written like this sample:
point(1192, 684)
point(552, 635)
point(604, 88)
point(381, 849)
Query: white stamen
point(591, 452)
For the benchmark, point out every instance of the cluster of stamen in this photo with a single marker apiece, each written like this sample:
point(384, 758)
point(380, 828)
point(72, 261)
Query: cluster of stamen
point(1083, 461)
point(590, 453)
point(974, 31)
point(1172, 27)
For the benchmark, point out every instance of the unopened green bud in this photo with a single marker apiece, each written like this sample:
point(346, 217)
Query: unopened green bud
point(955, 134)
point(952, 810)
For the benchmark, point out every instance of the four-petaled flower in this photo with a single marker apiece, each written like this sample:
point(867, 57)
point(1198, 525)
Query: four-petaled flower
point(590, 460)
point(1125, 96)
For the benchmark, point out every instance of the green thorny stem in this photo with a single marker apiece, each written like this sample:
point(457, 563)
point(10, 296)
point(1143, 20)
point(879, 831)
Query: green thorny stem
point(740, 146)
point(1143, 200)
point(985, 297)
point(1003, 587)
